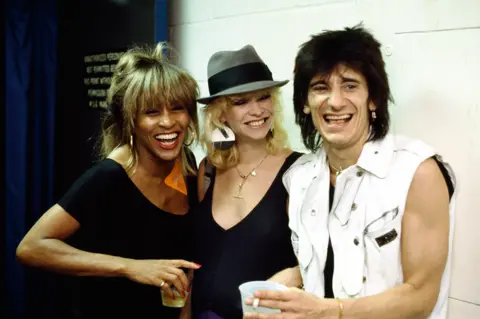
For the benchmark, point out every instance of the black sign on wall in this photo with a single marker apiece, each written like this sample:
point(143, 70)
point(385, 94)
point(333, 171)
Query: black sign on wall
point(86, 28)
point(99, 69)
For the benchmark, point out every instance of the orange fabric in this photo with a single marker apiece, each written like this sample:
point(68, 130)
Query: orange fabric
point(176, 180)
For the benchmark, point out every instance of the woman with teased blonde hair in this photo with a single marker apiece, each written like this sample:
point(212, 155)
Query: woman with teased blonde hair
point(276, 138)
point(241, 225)
point(124, 225)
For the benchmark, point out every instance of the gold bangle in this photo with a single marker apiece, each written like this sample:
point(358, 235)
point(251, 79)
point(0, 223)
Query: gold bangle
point(340, 308)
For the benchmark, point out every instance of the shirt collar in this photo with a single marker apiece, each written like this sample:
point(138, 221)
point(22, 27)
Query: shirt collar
point(376, 156)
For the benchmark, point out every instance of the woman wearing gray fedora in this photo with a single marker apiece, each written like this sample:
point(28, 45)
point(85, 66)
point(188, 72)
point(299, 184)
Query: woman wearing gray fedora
point(241, 229)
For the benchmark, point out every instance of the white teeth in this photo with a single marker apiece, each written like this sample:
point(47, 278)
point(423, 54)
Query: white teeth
point(256, 123)
point(170, 136)
point(337, 117)
point(168, 143)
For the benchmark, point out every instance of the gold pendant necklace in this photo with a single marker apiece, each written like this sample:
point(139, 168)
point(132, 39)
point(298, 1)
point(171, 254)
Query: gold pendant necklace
point(244, 177)
point(337, 171)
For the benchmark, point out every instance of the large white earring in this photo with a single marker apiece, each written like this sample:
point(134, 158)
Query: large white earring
point(223, 138)
point(374, 115)
point(306, 109)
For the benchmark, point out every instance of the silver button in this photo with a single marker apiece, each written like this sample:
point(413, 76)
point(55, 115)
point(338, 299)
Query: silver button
point(354, 206)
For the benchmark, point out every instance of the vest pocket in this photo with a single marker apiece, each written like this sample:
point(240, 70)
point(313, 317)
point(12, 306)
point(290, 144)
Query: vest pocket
point(385, 229)
point(376, 226)
point(383, 258)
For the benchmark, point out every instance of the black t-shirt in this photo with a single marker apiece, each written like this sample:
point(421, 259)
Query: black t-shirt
point(254, 249)
point(117, 219)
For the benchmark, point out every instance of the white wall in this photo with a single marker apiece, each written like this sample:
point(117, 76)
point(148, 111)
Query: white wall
point(434, 70)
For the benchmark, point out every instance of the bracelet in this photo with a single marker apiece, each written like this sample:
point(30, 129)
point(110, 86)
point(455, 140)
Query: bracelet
point(340, 308)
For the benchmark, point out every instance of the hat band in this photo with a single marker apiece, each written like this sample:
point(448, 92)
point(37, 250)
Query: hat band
point(238, 75)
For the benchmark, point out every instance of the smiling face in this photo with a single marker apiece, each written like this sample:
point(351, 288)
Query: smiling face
point(340, 107)
point(160, 131)
point(250, 115)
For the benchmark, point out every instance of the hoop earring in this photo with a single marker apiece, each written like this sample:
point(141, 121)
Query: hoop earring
point(192, 137)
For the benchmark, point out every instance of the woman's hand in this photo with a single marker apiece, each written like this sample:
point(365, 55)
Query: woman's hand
point(161, 273)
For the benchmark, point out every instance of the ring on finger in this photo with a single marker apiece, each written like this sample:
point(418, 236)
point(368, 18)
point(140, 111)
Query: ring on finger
point(255, 303)
point(162, 284)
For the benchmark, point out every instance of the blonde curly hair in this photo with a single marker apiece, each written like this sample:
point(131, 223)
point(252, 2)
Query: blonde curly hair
point(277, 138)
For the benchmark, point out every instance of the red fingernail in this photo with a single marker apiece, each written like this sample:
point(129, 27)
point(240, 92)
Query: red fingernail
point(187, 289)
point(198, 265)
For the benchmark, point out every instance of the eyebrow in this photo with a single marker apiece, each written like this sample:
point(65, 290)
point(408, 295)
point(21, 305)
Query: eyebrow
point(344, 80)
point(248, 97)
point(238, 99)
point(347, 79)
point(321, 81)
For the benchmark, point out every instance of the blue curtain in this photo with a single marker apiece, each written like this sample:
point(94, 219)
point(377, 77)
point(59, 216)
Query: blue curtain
point(30, 61)
point(161, 24)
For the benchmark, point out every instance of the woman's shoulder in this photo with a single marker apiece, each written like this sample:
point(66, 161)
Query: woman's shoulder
point(291, 156)
point(103, 172)
point(294, 155)
point(93, 186)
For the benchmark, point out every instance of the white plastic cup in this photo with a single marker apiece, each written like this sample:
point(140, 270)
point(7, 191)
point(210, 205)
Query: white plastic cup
point(248, 289)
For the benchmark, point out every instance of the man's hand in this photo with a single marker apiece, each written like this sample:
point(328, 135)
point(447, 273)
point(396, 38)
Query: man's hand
point(294, 304)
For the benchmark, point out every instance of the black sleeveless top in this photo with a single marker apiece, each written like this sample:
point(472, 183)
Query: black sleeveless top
point(329, 263)
point(254, 249)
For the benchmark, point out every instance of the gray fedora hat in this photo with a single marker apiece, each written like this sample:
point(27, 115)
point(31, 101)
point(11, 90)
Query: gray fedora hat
point(234, 72)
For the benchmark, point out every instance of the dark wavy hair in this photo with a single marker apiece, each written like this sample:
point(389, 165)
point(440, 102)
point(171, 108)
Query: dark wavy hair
point(355, 48)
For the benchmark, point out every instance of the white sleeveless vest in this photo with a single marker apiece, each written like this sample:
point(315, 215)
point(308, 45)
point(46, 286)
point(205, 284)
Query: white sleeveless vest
point(365, 221)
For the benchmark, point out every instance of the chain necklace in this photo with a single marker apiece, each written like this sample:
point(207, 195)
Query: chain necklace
point(338, 171)
point(244, 177)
